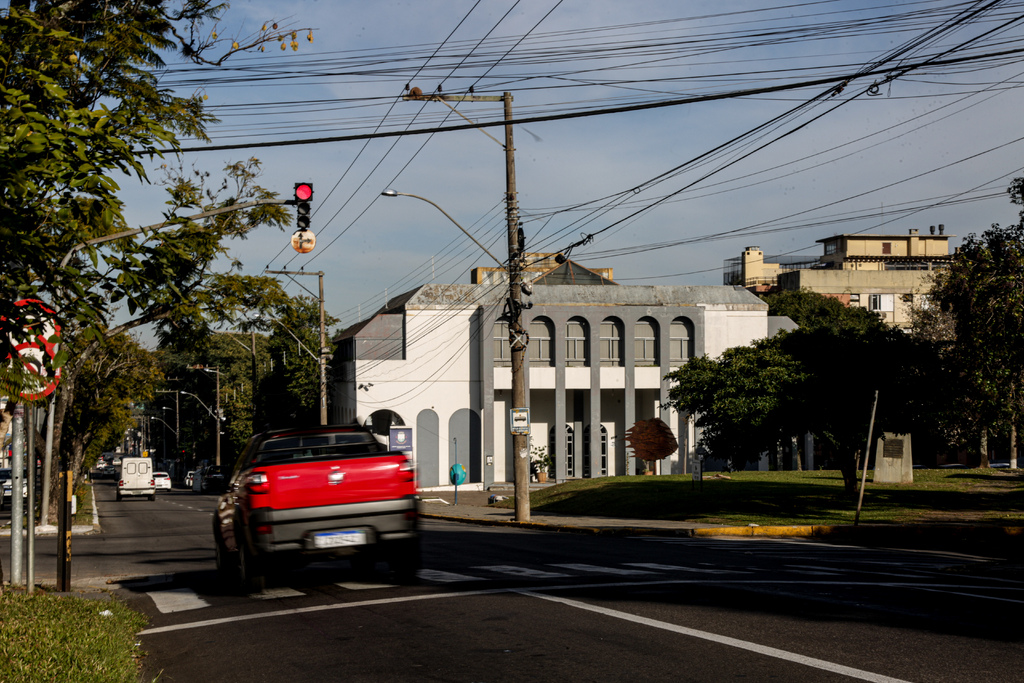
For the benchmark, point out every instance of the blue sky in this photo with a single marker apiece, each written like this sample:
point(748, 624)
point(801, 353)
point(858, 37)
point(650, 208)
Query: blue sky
point(908, 155)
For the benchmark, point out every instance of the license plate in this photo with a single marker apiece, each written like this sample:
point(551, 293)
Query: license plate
point(334, 539)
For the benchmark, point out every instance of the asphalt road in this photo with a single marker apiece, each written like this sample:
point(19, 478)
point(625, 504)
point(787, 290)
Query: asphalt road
point(497, 604)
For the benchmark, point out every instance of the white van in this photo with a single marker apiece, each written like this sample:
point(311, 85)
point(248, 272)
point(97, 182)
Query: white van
point(136, 478)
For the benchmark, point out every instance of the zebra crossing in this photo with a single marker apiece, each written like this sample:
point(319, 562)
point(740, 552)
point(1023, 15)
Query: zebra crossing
point(170, 600)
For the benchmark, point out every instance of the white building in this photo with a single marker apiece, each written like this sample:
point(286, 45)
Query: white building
point(437, 359)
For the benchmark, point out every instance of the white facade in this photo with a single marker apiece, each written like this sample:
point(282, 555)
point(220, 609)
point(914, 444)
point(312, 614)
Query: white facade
point(436, 358)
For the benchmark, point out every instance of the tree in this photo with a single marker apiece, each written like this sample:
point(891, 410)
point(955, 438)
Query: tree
point(983, 292)
point(743, 400)
point(80, 104)
point(753, 398)
point(813, 311)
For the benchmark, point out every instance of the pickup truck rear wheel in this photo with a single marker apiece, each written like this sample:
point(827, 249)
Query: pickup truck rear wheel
point(251, 576)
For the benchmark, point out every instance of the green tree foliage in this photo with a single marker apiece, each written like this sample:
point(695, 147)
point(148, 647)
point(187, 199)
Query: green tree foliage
point(81, 108)
point(813, 311)
point(820, 378)
point(983, 293)
point(97, 420)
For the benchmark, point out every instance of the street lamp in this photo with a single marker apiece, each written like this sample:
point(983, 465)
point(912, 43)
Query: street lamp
point(215, 415)
point(517, 335)
point(396, 193)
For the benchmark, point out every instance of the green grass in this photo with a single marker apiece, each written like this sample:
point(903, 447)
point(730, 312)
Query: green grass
point(45, 637)
point(794, 498)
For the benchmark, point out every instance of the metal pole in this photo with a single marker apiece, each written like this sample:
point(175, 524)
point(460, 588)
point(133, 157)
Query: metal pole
point(217, 418)
point(17, 502)
point(517, 335)
point(64, 527)
point(30, 541)
point(323, 356)
point(867, 456)
point(44, 513)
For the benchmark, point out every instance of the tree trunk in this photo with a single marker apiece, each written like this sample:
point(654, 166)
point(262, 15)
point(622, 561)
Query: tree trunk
point(849, 469)
point(984, 446)
point(1013, 445)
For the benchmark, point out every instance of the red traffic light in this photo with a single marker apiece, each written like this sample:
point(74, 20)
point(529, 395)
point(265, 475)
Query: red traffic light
point(303, 191)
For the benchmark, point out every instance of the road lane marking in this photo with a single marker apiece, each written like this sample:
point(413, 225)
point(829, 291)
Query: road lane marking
point(846, 583)
point(177, 600)
point(528, 572)
point(724, 640)
point(362, 585)
point(596, 569)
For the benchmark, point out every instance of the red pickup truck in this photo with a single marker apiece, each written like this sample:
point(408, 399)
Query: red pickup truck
point(297, 494)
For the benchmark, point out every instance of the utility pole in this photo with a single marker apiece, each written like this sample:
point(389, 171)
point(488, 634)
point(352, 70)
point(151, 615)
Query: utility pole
point(324, 351)
point(517, 337)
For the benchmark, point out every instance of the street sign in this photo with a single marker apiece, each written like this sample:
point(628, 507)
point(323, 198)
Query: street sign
point(36, 347)
point(519, 419)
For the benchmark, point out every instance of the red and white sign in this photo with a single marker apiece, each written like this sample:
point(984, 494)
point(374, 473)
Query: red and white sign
point(36, 347)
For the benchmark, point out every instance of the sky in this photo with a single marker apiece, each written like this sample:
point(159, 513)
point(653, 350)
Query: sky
point(877, 117)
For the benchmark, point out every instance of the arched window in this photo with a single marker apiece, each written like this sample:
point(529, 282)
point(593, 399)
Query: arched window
point(645, 342)
point(502, 353)
point(541, 332)
point(680, 343)
point(611, 342)
point(570, 448)
point(576, 342)
point(604, 451)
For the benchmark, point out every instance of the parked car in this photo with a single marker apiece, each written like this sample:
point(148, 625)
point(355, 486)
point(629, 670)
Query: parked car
point(162, 481)
point(304, 493)
point(214, 480)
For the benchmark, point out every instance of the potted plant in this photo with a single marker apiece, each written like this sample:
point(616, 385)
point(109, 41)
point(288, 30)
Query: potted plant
point(541, 463)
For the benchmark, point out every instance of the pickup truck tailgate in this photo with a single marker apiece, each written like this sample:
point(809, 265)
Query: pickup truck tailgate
point(371, 477)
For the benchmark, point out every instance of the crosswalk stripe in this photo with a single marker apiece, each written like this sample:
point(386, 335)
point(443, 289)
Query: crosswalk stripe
point(514, 570)
point(275, 593)
point(595, 569)
point(177, 600)
point(361, 585)
point(438, 576)
point(679, 568)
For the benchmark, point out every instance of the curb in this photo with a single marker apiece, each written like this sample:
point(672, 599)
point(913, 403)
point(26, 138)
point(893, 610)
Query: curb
point(875, 532)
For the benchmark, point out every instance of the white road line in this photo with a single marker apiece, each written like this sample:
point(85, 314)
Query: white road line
point(724, 640)
point(513, 570)
point(177, 600)
point(575, 586)
point(970, 595)
point(680, 568)
point(596, 569)
point(438, 576)
point(362, 586)
point(275, 593)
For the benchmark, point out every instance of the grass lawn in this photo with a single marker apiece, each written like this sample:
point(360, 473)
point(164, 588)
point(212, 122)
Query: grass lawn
point(46, 637)
point(976, 496)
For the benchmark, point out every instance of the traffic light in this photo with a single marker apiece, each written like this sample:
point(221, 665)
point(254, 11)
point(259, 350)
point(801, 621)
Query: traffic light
point(303, 196)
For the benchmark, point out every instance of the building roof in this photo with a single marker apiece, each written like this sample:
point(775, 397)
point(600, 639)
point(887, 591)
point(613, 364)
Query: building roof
point(572, 273)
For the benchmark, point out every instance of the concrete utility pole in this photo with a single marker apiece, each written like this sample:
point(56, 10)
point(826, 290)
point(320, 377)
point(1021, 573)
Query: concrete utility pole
point(517, 337)
point(324, 351)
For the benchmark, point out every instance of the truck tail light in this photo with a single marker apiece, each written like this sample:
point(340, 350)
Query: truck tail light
point(120, 482)
point(152, 482)
point(258, 482)
point(264, 529)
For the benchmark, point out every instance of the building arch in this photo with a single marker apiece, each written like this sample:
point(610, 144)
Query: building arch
point(611, 342)
point(577, 342)
point(542, 335)
point(427, 454)
point(645, 341)
point(681, 341)
point(464, 443)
